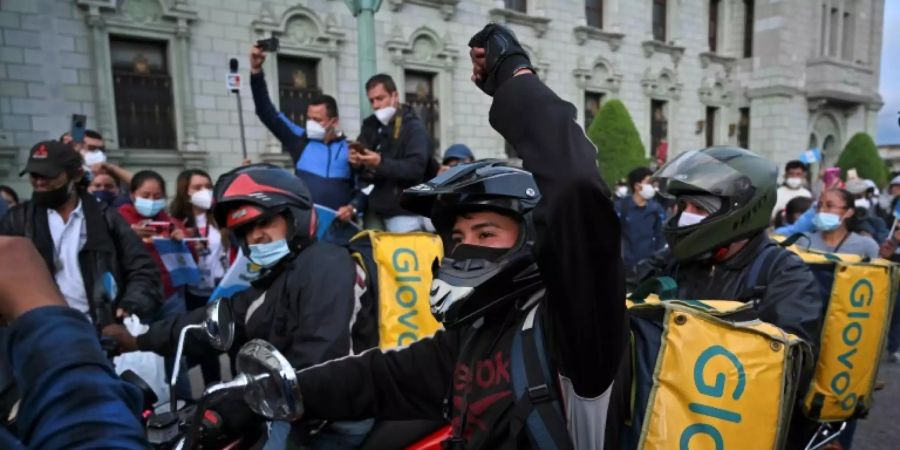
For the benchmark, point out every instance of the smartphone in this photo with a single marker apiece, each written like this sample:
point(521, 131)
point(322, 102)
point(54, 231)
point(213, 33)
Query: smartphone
point(356, 147)
point(160, 227)
point(79, 124)
point(269, 45)
point(831, 174)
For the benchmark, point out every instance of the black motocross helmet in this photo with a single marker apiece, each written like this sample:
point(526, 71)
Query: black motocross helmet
point(250, 193)
point(465, 287)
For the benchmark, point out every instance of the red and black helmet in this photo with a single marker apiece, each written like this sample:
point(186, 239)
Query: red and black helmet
point(258, 191)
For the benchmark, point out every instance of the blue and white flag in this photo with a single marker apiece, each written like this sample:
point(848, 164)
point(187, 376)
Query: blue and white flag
point(325, 216)
point(811, 156)
point(238, 278)
point(178, 260)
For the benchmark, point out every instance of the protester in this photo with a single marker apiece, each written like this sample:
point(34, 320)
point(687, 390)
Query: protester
point(835, 222)
point(393, 153)
point(794, 185)
point(147, 216)
point(8, 195)
point(74, 399)
point(501, 271)
point(622, 188)
point(866, 220)
point(456, 154)
point(718, 235)
point(888, 199)
point(80, 239)
point(92, 148)
point(105, 188)
point(642, 220)
point(303, 302)
point(318, 148)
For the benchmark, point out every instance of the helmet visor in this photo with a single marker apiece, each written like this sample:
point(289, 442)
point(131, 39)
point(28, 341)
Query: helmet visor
point(699, 173)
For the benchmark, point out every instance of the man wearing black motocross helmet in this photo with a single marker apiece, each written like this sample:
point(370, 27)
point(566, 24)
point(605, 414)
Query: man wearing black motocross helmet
point(303, 301)
point(531, 292)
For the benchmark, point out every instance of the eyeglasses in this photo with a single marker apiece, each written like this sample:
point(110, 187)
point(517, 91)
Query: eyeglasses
point(831, 207)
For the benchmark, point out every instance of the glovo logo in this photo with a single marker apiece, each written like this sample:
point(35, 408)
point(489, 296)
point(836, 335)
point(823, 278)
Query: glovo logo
point(717, 390)
point(861, 295)
point(405, 264)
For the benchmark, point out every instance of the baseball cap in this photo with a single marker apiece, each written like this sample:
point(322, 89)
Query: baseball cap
point(51, 158)
point(457, 151)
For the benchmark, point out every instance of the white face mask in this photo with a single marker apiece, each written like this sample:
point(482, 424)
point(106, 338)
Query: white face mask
point(314, 130)
point(202, 199)
point(647, 191)
point(621, 191)
point(794, 182)
point(863, 203)
point(687, 219)
point(384, 114)
point(94, 157)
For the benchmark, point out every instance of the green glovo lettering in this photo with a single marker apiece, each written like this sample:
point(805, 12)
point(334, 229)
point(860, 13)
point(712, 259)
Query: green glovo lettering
point(861, 295)
point(714, 390)
point(404, 261)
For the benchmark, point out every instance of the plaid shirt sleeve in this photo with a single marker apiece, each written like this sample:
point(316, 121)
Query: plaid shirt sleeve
point(71, 397)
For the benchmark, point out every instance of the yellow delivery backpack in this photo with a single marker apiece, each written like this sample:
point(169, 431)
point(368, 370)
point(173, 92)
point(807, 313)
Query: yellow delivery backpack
point(708, 375)
point(858, 299)
point(398, 271)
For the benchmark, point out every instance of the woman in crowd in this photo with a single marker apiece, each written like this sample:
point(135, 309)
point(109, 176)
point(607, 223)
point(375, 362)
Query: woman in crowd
point(835, 222)
point(191, 206)
point(147, 216)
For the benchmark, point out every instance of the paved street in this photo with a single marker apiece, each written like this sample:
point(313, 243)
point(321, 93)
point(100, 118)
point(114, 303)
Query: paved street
point(882, 428)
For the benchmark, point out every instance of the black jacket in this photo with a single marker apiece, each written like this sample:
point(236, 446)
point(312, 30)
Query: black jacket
point(111, 246)
point(404, 148)
point(304, 307)
point(578, 253)
point(792, 299)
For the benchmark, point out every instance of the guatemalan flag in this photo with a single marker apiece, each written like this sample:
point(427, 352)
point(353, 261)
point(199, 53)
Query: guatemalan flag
point(238, 277)
point(179, 262)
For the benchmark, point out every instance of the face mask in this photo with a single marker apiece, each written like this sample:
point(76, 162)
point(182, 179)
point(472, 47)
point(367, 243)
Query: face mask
point(385, 114)
point(863, 203)
point(647, 191)
point(794, 183)
point(268, 254)
point(55, 198)
point(149, 208)
point(465, 251)
point(826, 221)
point(94, 157)
point(314, 130)
point(202, 199)
point(621, 191)
point(105, 197)
point(687, 219)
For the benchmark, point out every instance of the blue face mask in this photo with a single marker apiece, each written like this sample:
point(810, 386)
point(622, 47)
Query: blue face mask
point(268, 254)
point(105, 197)
point(149, 208)
point(826, 221)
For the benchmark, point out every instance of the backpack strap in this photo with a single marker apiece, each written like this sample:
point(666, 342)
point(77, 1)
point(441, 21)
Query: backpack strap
point(537, 408)
point(765, 262)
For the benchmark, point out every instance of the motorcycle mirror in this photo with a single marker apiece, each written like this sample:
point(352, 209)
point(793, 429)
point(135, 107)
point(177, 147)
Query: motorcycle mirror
point(272, 390)
point(219, 325)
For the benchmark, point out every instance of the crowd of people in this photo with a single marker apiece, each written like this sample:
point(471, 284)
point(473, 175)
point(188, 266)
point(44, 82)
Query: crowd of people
point(549, 246)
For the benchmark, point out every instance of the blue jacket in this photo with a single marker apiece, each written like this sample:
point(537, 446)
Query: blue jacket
point(71, 397)
point(641, 230)
point(323, 167)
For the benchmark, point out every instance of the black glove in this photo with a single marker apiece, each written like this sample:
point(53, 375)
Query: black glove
point(503, 56)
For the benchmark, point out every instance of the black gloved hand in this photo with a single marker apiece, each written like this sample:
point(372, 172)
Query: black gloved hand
point(504, 56)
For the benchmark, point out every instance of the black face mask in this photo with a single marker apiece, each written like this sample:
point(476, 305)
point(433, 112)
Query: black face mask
point(52, 199)
point(465, 251)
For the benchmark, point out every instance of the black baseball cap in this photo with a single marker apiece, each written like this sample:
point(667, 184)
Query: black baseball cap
point(51, 158)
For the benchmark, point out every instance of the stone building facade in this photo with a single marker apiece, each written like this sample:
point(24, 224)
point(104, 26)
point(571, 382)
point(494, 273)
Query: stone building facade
point(778, 76)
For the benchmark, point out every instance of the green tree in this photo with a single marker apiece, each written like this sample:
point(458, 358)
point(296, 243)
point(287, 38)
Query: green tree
point(619, 147)
point(861, 154)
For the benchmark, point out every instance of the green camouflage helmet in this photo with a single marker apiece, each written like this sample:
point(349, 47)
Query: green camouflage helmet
point(743, 181)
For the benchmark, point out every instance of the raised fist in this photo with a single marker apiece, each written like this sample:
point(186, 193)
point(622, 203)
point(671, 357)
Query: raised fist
point(496, 57)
